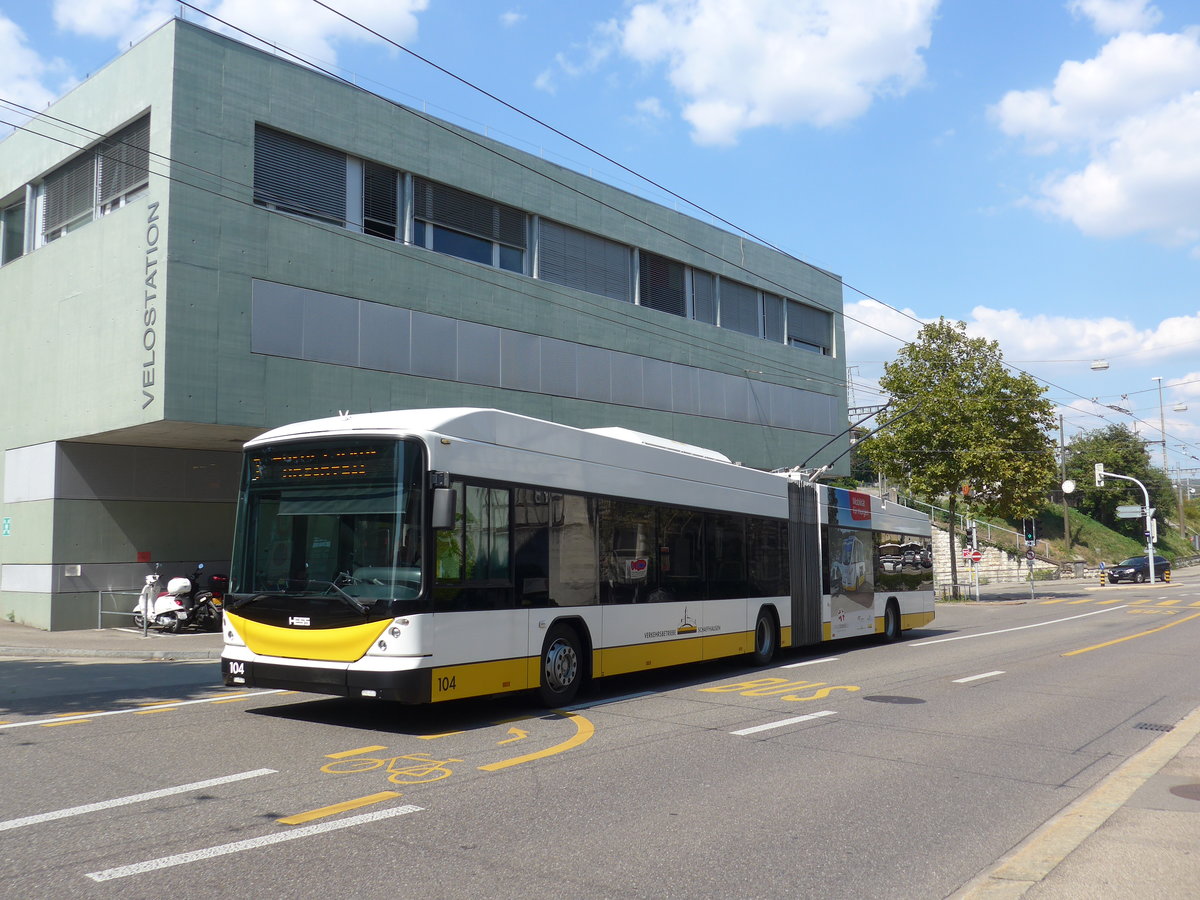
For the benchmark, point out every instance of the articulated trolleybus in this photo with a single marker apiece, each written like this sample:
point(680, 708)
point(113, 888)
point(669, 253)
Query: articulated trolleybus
point(435, 554)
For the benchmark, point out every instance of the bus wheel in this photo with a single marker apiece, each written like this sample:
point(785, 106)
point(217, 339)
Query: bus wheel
point(562, 669)
point(764, 638)
point(891, 622)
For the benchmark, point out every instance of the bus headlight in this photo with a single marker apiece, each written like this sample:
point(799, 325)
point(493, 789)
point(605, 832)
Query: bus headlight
point(382, 645)
point(394, 631)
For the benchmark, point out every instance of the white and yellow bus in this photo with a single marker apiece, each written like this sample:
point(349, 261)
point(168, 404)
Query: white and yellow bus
point(435, 554)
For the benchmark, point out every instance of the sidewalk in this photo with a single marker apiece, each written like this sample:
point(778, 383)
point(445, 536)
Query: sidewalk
point(127, 643)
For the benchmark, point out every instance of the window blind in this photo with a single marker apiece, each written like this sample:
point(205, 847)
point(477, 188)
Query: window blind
point(584, 261)
point(299, 176)
point(440, 204)
point(661, 284)
point(124, 160)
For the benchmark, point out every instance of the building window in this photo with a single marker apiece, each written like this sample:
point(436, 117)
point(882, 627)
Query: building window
point(12, 232)
point(124, 165)
point(69, 196)
point(704, 296)
point(297, 176)
point(380, 200)
point(468, 226)
point(773, 317)
point(662, 284)
point(576, 259)
point(809, 328)
point(739, 307)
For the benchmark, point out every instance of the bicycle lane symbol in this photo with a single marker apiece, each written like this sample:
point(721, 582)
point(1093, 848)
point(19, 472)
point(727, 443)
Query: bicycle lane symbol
point(409, 768)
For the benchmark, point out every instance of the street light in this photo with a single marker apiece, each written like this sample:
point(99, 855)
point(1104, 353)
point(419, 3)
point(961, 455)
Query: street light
point(1099, 365)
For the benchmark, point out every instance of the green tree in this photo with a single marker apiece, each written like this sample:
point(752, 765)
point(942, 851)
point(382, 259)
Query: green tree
point(1123, 452)
point(961, 421)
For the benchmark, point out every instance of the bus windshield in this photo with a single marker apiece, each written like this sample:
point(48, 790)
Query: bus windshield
point(336, 522)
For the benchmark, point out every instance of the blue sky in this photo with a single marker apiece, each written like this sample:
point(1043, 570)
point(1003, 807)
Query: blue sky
point(1031, 167)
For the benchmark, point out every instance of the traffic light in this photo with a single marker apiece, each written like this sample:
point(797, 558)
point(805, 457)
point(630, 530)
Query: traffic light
point(1030, 531)
point(1099, 474)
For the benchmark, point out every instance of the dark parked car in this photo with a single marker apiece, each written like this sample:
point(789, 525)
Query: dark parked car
point(1136, 568)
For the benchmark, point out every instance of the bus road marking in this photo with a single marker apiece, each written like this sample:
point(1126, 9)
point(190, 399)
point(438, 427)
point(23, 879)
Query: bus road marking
point(584, 730)
point(133, 798)
point(334, 809)
point(810, 662)
point(963, 637)
point(977, 677)
point(346, 753)
point(783, 722)
point(1132, 636)
point(121, 712)
point(179, 859)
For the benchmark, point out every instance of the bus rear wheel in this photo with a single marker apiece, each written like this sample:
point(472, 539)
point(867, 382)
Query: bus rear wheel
point(562, 666)
point(764, 638)
point(891, 622)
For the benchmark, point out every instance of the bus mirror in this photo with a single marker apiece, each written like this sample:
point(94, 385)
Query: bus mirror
point(443, 507)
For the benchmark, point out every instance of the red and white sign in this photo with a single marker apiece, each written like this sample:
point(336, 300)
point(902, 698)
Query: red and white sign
point(972, 555)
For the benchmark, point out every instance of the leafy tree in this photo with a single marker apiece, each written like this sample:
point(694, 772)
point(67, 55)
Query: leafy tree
point(1121, 451)
point(961, 419)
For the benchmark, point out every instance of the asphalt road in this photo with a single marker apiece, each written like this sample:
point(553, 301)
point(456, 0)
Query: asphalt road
point(848, 770)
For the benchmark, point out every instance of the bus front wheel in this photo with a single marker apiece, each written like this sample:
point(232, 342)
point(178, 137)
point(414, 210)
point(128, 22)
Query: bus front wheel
point(562, 666)
point(764, 638)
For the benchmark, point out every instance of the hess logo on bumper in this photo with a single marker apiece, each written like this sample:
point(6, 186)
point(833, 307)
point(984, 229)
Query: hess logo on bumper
point(299, 620)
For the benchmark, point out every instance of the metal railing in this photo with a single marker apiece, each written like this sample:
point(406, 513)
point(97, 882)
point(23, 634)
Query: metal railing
point(986, 530)
point(113, 598)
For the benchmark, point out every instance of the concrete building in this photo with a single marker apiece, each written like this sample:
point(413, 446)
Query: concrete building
point(203, 241)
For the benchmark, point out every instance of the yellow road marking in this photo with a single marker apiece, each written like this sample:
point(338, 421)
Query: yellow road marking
point(1194, 605)
point(346, 753)
point(1168, 603)
point(434, 737)
point(150, 712)
point(236, 699)
point(1052, 602)
point(1084, 600)
point(583, 733)
point(1108, 602)
point(336, 808)
point(1140, 602)
point(1132, 636)
point(68, 722)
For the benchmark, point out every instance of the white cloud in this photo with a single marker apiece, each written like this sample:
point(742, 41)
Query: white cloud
point(741, 64)
point(297, 25)
point(25, 76)
point(1115, 16)
point(1089, 100)
point(1134, 111)
point(509, 19)
point(581, 59)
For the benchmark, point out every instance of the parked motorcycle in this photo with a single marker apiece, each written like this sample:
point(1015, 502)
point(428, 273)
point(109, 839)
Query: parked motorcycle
point(181, 604)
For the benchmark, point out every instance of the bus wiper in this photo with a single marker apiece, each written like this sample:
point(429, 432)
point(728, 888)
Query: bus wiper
point(353, 602)
point(236, 601)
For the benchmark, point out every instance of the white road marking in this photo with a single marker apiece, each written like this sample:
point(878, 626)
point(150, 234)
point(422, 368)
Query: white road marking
point(179, 859)
point(809, 662)
point(963, 637)
point(783, 722)
point(140, 709)
point(605, 701)
point(977, 677)
point(133, 798)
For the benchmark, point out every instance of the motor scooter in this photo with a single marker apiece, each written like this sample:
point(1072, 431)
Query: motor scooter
point(163, 609)
point(181, 604)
